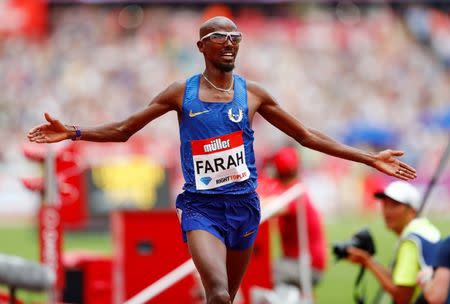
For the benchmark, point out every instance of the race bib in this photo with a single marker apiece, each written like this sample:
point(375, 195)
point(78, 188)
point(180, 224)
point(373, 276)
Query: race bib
point(219, 161)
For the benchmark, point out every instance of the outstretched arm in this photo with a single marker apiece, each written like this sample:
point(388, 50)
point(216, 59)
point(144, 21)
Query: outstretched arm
point(54, 130)
point(385, 161)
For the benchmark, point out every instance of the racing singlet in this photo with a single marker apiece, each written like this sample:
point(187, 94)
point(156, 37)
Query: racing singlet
point(217, 142)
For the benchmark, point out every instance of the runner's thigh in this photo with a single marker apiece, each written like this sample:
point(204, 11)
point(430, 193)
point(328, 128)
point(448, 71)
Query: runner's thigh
point(209, 256)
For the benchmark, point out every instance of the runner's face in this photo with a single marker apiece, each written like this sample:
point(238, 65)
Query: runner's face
point(222, 55)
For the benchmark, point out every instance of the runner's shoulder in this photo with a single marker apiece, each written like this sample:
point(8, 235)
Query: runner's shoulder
point(256, 88)
point(174, 93)
point(176, 89)
point(257, 92)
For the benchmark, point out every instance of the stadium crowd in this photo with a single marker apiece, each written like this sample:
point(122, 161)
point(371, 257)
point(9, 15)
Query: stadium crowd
point(361, 78)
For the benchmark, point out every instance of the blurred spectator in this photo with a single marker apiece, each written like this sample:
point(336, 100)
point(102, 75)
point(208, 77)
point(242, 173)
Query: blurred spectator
point(432, 28)
point(286, 163)
point(418, 243)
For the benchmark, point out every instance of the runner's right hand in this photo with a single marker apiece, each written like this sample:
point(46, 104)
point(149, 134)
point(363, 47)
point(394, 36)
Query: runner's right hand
point(51, 132)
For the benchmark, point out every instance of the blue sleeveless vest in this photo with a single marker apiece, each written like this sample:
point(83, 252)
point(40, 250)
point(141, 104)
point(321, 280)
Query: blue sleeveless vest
point(427, 249)
point(217, 142)
point(427, 256)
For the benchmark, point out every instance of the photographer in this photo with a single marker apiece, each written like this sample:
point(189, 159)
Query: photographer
point(435, 285)
point(418, 240)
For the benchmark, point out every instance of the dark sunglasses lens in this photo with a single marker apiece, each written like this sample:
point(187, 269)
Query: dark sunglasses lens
point(220, 38)
point(236, 38)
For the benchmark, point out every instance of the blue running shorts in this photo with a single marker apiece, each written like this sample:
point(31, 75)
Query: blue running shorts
point(234, 219)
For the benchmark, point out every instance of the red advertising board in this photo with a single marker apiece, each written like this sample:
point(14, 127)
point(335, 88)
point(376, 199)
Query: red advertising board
point(72, 187)
point(147, 246)
point(50, 238)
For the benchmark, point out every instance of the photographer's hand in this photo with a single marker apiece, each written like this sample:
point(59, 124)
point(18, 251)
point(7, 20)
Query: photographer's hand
point(358, 256)
point(399, 294)
point(424, 276)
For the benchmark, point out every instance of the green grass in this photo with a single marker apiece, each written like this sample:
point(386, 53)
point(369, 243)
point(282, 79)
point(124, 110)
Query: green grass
point(336, 286)
point(23, 241)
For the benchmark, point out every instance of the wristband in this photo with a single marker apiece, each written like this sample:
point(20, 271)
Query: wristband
point(77, 133)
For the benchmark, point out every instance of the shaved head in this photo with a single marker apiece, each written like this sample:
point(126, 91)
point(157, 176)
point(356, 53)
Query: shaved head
point(216, 23)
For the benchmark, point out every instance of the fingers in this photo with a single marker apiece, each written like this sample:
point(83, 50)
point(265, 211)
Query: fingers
point(405, 173)
point(48, 117)
point(41, 127)
point(39, 138)
point(37, 134)
point(397, 153)
point(407, 167)
point(34, 130)
point(34, 135)
point(42, 140)
point(403, 177)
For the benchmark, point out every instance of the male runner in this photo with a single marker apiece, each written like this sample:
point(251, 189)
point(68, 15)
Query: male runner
point(219, 207)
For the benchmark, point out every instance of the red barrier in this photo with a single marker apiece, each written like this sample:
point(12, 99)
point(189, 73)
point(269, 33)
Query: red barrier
point(96, 274)
point(4, 299)
point(147, 246)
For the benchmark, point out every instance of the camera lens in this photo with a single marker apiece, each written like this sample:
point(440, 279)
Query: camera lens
point(362, 240)
point(340, 249)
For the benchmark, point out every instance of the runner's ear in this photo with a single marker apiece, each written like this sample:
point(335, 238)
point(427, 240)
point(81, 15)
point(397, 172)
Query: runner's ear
point(200, 46)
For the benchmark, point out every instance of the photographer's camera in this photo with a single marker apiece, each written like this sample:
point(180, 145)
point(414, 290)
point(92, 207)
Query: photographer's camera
point(362, 240)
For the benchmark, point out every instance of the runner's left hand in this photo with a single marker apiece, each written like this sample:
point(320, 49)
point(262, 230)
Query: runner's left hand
point(387, 162)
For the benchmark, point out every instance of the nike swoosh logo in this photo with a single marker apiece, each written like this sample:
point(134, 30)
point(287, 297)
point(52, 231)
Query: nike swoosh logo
point(193, 114)
point(249, 233)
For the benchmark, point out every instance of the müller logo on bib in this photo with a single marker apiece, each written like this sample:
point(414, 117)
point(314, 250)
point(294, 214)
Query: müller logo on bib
point(219, 161)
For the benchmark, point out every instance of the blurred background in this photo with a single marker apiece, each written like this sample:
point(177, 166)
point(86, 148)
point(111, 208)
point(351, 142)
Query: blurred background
point(374, 75)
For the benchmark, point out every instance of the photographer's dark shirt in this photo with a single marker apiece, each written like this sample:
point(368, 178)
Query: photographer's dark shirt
point(443, 259)
point(443, 256)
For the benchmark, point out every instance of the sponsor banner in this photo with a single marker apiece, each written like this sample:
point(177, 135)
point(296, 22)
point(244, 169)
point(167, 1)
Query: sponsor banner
point(50, 239)
point(217, 144)
point(219, 161)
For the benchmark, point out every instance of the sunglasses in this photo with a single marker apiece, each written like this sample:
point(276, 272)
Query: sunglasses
point(222, 37)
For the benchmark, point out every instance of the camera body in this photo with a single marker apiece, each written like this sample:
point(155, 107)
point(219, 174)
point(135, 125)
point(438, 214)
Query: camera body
point(362, 240)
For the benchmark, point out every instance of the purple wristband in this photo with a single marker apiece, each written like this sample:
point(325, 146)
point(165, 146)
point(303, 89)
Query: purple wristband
point(77, 133)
